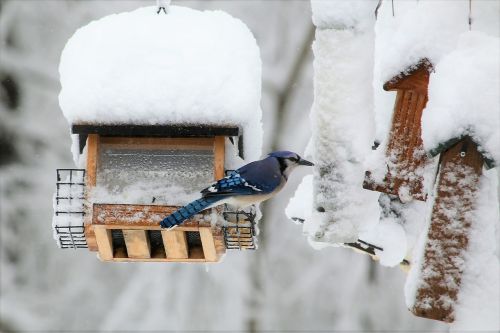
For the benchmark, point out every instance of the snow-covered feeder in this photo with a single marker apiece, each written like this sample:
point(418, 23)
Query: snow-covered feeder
point(160, 106)
point(416, 105)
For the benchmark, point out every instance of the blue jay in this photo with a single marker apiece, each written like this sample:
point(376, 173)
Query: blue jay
point(252, 183)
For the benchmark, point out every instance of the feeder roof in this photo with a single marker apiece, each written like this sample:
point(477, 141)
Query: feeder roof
point(415, 78)
point(184, 68)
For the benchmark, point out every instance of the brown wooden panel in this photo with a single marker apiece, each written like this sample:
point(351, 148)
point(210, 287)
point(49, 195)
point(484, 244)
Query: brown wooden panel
point(91, 174)
point(175, 242)
point(197, 258)
point(138, 215)
point(90, 237)
point(405, 152)
point(448, 234)
point(104, 243)
point(220, 246)
point(155, 143)
point(219, 157)
point(137, 242)
point(92, 159)
point(208, 244)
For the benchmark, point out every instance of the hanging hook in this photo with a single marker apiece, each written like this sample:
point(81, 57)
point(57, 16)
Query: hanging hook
point(470, 15)
point(377, 8)
point(163, 5)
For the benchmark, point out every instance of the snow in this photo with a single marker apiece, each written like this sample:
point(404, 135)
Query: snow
point(184, 67)
point(300, 205)
point(341, 120)
point(392, 237)
point(340, 15)
point(455, 108)
point(478, 304)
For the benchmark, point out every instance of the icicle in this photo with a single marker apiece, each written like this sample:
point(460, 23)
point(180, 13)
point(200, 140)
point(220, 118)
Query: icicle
point(163, 5)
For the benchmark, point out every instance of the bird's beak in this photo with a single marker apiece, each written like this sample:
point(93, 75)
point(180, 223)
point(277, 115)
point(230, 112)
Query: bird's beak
point(305, 162)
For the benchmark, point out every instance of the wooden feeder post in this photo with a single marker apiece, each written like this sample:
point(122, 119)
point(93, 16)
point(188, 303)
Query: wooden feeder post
point(448, 233)
point(405, 151)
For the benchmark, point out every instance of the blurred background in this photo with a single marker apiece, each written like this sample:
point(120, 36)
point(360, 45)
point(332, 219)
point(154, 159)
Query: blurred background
point(285, 285)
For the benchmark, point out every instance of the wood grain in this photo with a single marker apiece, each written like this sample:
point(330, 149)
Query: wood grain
point(405, 156)
point(175, 243)
point(219, 157)
point(208, 244)
point(160, 143)
point(448, 234)
point(91, 177)
point(104, 243)
point(137, 243)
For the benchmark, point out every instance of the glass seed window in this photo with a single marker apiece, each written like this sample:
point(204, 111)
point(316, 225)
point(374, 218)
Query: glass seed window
point(152, 171)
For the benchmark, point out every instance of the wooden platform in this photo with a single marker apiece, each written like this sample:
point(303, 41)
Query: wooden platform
point(144, 240)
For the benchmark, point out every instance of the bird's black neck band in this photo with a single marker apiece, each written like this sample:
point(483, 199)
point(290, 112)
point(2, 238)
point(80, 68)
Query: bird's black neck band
point(283, 167)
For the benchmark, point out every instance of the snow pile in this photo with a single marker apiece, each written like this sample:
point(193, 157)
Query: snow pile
point(427, 29)
point(478, 305)
point(185, 67)
point(464, 95)
point(300, 206)
point(342, 121)
point(339, 15)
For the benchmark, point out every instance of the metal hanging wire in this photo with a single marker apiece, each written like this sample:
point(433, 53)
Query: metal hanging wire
point(377, 8)
point(470, 15)
point(163, 5)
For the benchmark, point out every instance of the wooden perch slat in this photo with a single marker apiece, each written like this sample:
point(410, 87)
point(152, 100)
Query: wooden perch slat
point(175, 242)
point(219, 157)
point(208, 244)
point(405, 153)
point(448, 234)
point(137, 243)
point(104, 243)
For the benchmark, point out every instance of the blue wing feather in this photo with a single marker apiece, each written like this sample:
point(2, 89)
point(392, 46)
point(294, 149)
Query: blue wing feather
point(259, 177)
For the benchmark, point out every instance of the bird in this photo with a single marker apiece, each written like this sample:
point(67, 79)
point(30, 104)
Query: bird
point(251, 184)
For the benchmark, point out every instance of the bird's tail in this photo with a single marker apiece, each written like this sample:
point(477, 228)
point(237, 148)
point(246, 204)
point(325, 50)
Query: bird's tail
point(187, 211)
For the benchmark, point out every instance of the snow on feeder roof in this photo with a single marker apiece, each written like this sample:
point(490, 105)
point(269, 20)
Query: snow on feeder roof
point(186, 67)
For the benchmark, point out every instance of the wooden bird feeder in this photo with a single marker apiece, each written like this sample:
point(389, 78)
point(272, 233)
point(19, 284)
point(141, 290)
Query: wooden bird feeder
point(405, 151)
point(456, 186)
point(189, 156)
point(460, 168)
